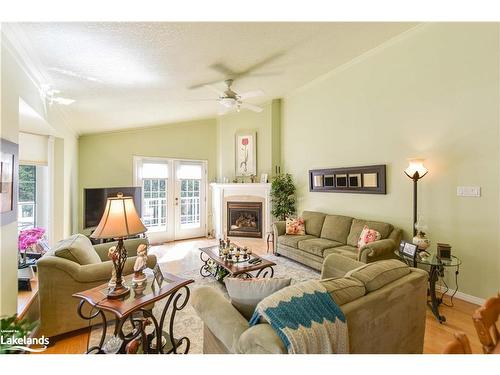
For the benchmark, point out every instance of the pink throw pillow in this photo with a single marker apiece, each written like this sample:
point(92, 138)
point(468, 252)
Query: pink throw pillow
point(367, 235)
point(295, 226)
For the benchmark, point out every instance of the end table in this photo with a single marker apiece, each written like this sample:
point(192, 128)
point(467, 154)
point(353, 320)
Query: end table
point(135, 308)
point(436, 270)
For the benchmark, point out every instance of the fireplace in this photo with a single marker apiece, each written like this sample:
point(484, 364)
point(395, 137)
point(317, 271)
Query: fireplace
point(244, 219)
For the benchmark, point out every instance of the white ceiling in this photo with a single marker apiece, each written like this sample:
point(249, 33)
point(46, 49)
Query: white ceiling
point(127, 75)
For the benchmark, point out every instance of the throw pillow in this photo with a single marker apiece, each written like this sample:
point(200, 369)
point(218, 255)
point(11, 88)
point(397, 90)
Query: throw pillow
point(295, 226)
point(245, 294)
point(367, 235)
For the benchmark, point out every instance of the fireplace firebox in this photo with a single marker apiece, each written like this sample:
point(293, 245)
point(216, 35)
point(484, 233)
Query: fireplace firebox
point(244, 219)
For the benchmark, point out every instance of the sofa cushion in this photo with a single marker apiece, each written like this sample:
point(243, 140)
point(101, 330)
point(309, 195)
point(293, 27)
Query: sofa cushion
point(295, 226)
point(345, 250)
point(336, 228)
point(377, 274)
point(245, 294)
point(344, 289)
point(313, 222)
point(316, 246)
point(292, 240)
point(357, 226)
point(77, 248)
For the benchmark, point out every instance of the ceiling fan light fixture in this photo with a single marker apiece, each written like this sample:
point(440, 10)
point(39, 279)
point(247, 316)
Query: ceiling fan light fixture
point(227, 102)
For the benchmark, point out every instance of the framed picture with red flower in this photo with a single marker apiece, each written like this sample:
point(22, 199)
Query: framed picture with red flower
point(246, 153)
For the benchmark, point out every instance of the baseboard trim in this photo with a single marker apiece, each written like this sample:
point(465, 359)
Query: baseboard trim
point(463, 296)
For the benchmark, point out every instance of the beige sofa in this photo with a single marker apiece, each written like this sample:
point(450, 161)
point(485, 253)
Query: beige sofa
point(384, 304)
point(334, 234)
point(74, 265)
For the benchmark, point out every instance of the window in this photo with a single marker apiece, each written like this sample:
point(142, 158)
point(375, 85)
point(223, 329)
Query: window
point(154, 189)
point(26, 206)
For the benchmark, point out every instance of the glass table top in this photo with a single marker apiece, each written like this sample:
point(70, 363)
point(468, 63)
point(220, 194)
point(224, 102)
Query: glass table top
point(432, 260)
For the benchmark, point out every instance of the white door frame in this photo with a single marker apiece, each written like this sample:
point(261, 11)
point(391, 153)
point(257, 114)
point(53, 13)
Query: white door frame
point(169, 234)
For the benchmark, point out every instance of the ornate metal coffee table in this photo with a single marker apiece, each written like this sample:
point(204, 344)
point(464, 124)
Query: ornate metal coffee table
point(219, 267)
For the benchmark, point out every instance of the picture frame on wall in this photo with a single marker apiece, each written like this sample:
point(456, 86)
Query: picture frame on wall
point(9, 165)
point(245, 153)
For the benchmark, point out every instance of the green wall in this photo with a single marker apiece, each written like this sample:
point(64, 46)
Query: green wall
point(434, 93)
point(106, 159)
point(267, 126)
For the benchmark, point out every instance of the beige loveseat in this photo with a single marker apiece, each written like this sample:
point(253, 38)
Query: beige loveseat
point(384, 304)
point(74, 265)
point(334, 234)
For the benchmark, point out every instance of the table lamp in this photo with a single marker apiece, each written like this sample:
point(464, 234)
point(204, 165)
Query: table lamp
point(119, 220)
point(415, 171)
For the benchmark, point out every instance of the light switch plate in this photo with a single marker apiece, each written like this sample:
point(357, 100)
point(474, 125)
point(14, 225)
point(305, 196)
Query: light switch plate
point(468, 191)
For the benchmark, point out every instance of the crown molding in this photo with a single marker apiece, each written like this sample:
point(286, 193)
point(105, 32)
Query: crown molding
point(14, 40)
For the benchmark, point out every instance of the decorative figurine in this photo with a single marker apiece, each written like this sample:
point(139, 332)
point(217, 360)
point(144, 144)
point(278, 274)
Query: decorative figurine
point(113, 256)
point(140, 264)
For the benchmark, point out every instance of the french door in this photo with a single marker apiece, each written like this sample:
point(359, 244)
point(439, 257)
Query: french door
point(173, 197)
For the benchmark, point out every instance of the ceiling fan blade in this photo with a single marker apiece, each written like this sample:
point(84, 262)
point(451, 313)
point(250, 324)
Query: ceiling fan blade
point(203, 100)
point(261, 63)
point(200, 85)
point(251, 94)
point(215, 89)
point(252, 107)
point(221, 68)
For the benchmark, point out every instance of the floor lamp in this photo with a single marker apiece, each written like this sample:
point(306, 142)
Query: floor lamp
point(415, 171)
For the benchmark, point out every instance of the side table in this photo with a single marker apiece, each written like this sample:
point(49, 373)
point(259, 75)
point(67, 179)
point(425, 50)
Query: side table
point(436, 270)
point(136, 308)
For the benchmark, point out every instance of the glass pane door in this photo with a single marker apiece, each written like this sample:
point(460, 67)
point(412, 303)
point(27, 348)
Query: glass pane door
point(155, 203)
point(190, 199)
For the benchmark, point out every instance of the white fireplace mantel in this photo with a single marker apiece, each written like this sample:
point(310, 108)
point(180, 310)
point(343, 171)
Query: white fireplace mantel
point(223, 193)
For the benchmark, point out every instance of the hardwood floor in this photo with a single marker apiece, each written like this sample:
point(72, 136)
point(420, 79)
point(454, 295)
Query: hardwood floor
point(173, 258)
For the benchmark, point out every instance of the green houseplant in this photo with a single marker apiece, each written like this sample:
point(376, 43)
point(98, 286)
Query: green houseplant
point(282, 196)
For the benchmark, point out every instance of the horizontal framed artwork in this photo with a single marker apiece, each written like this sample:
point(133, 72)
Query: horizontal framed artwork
point(368, 179)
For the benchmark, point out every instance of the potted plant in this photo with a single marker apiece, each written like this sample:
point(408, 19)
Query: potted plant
point(282, 196)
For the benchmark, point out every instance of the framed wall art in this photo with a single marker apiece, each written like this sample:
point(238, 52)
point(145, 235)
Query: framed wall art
point(246, 153)
point(367, 179)
point(8, 181)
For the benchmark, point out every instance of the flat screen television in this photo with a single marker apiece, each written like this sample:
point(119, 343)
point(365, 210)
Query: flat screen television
point(94, 202)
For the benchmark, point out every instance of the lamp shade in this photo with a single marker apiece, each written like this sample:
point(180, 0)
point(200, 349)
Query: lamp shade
point(119, 220)
point(416, 166)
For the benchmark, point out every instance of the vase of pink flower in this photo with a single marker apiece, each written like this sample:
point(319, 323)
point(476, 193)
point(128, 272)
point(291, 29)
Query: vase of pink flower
point(28, 239)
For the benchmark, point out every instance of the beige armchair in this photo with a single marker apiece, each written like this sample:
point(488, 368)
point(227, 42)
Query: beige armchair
point(74, 265)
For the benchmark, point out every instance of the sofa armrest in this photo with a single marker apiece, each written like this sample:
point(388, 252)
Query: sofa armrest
point(279, 229)
point(217, 313)
point(396, 235)
point(260, 339)
point(377, 250)
point(91, 273)
point(336, 265)
point(131, 246)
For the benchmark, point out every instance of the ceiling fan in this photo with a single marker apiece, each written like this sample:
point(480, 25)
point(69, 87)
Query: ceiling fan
point(230, 99)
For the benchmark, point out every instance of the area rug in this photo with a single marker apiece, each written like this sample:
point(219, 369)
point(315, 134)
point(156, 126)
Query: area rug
point(187, 322)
